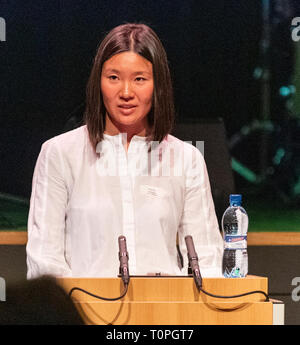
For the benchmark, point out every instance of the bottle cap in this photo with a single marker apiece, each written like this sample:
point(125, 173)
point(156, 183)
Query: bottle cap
point(235, 199)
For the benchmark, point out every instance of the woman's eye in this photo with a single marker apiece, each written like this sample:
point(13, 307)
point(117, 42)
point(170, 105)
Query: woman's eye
point(113, 77)
point(139, 79)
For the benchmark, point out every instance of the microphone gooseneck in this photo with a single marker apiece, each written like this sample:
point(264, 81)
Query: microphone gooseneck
point(123, 257)
point(193, 261)
point(124, 272)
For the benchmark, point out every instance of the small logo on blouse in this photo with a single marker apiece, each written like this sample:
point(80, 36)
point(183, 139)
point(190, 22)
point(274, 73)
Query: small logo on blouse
point(152, 191)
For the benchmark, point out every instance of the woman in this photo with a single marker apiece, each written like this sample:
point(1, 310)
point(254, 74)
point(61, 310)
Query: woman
point(122, 173)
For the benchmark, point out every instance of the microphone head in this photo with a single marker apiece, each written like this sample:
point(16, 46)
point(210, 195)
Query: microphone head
point(193, 261)
point(123, 257)
point(122, 241)
point(190, 247)
point(122, 247)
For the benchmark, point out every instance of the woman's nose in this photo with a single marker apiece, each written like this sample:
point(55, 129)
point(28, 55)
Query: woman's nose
point(126, 91)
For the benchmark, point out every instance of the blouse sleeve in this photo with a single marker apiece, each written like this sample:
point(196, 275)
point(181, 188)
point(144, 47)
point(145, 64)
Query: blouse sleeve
point(199, 220)
point(46, 221)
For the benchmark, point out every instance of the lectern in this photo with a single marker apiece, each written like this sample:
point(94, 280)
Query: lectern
point(173, 301)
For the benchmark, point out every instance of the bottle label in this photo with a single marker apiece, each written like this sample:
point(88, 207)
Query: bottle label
point(236, 265)
point(235, 242)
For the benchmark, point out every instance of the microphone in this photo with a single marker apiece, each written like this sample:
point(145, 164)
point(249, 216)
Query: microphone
point(123, 257)
point(193, 261)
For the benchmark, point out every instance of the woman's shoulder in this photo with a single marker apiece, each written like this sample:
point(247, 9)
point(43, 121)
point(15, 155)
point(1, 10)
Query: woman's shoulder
point(69, 145)
point(70, 139)
point(187, 146)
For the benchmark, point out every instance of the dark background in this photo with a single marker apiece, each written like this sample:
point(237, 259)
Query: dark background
point(213, 48)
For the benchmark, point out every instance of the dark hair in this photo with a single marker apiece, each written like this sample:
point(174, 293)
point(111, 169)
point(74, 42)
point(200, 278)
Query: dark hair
point(142, 40)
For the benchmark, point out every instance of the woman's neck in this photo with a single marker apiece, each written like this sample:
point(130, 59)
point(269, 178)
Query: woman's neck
point(113, 129)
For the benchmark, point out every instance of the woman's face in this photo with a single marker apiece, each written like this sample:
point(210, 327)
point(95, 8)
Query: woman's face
point(127, 89)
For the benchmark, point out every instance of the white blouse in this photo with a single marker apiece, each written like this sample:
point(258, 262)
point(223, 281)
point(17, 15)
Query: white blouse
point(83, 201)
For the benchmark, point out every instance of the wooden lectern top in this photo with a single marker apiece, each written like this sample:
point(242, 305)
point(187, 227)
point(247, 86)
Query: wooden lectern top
point(171, 301)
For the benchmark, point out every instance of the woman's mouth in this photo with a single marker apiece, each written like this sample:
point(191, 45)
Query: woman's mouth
point(127, 109)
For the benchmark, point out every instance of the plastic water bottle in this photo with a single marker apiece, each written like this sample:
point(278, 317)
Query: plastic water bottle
point(235, 227)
